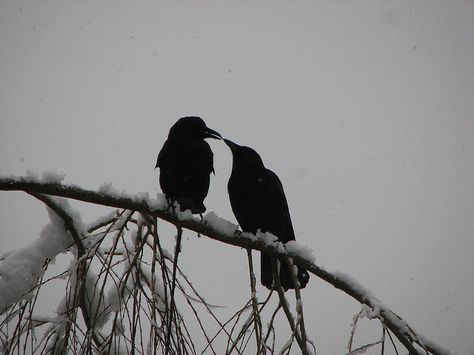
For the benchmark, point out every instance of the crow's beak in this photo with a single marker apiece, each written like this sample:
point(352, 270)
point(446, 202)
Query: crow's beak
point(231, 144)
point(210, 133)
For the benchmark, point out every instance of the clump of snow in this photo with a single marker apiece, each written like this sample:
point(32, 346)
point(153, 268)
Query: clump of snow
point(310, 348)
point(96, 301)
point(160, 203)
point(140, 196)
point(219, 224)
point(183, 215)
point(267, 238)
point(286, 346)
point(32, 176)
point(249, 236)
point(107, 188)
point(20, 270)
point(296, 249)
point(58, 328)
point(141, 221)
point(53, 177)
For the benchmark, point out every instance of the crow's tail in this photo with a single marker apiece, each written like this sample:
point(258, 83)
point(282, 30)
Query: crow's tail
point(266, 276)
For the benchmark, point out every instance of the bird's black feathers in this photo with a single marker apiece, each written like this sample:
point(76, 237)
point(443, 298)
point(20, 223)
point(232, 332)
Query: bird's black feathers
point(259, 203)
point(186, 162)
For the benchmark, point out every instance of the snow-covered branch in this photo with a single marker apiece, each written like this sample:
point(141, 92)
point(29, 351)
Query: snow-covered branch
point(221, 230)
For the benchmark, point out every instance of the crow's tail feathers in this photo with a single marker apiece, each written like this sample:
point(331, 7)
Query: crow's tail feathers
point(286, 280)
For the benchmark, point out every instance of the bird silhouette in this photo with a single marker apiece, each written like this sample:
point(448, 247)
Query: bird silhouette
point(186, 162)
point(259, 203)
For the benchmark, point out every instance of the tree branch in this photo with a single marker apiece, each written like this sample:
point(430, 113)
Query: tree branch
point(82, 268)
point(244, 240)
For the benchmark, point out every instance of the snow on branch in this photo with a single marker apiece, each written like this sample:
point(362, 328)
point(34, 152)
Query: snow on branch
point(21, 269)
point(221, 230)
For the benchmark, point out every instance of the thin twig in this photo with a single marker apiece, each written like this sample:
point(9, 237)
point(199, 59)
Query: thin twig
point(256, 314)
point(286, 309)
point(173, 285)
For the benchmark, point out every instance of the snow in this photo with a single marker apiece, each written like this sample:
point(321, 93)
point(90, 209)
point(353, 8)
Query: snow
point(249, 236)
point(120, 222)
point(107, 188)
point(310, 348)
point(141, 221)
point(433, 345)
point(96, 301)
point(141, 196)
point(113, 297)
point(31, 176)
point(185, 215)
point(267, 238)
point(294, 248)
point(53, 177)
point(20, 270)
point(375, 308)
point(102, 220)
point(368, 296)
point(219, 224)
point(119, 346)
point(299, 306)
point(5, 254)
point(286, 346)
point(167, 254)
point(160, 203)
point(159, 289)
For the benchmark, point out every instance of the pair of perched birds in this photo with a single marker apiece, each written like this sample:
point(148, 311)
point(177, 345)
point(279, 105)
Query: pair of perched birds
point(256, 193)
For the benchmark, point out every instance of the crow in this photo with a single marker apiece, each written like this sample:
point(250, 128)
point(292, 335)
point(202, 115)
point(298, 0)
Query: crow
point(186, 162)
point(259, 203)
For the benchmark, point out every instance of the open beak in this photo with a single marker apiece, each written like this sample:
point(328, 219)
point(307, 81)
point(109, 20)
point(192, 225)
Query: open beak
point(210, 133)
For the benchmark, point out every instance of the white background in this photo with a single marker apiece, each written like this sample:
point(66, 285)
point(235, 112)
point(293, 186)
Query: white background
point(364, 109)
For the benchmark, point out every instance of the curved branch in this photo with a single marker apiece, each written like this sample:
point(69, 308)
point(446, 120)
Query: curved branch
point(244, 240)
point(70, 226)
point(68, 221)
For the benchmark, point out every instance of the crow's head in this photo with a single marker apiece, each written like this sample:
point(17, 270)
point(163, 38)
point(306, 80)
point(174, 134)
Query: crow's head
point(244, 157)
point(192, 127)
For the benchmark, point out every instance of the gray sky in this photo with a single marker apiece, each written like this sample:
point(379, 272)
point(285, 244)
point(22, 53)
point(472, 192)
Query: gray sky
point(364, 109)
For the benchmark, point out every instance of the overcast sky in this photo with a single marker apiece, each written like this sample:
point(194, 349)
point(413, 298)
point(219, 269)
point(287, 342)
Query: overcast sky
point(364, 109)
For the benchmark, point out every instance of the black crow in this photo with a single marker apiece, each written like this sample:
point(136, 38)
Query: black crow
point(185, 163)
point(259, 203)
